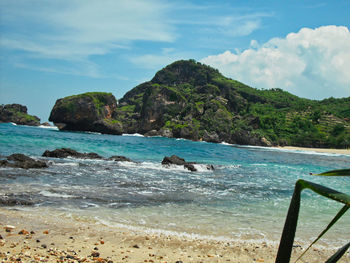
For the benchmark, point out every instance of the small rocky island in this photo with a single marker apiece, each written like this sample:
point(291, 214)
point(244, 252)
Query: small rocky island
point(17, 113)
point(190, 100)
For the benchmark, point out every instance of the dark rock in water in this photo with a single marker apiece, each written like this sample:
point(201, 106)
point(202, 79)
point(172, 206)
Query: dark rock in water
point(13, 200)
point(174, 159)
point(17, 113)
point(4, 163)
point(19, 160)
point(210, 167)
point(46, 124)
point(190, 167)
point(119, 158)
point(90, 111)
point(92, 156)
point(65, 152)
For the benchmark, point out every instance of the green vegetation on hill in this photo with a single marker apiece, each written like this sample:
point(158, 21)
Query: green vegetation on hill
point(17, 113)
point(193, 100)
point(99, 100)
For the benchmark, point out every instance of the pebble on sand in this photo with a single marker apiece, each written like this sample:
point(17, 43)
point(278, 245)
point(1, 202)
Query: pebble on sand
point(9, 228)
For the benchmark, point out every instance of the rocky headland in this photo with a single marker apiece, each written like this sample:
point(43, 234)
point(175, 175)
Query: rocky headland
point(17, 113)
point(92, 111)
point(190, 100)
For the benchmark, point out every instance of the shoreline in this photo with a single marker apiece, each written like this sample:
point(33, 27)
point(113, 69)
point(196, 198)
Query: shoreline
point(292, 148)
point(317, 150)
point(60, 238)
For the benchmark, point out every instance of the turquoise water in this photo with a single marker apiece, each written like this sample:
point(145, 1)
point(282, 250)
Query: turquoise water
point(245, 197)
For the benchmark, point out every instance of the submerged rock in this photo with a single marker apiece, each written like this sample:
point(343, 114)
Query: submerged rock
point(13, 200)
point(65, 152)
point(176, 160)
point(19, 160)
point(190, 167)
point(119, 158)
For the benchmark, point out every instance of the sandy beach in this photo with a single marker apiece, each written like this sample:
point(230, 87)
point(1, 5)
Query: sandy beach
point(317, 150)
point(46, 238)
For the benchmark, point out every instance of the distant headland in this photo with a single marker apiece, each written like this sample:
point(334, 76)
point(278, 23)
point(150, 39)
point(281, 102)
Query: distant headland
point(190, 100)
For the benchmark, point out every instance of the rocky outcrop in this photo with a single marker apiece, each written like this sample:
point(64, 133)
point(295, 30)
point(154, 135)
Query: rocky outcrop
point(212, 137)
point(176, 160)
point(17, 113)
point(46, 124)
point(67, 152)
point(92, 111)
point(19, 160)
point(119, 158)
point(190, 100)
point(16, 199)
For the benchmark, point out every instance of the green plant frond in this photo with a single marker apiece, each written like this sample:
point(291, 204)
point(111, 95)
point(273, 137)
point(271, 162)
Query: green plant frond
point(338, 254)
point(288, 234)
point(335, 219)
point(324, 191)
point(341, 172)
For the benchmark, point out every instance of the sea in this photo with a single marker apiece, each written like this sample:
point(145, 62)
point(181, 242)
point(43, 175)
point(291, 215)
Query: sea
point(246, 196)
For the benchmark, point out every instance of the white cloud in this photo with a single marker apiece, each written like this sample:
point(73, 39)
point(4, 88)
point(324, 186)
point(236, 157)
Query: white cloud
point(75, 30)
point(312, 63)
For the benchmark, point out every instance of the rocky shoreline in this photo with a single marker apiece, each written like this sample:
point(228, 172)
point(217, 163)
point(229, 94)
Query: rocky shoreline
point(19, 160)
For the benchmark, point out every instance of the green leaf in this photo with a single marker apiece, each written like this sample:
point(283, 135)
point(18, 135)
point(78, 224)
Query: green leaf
point(338, 254)
point(288, 234)
point(341, 172)
point(335, 219)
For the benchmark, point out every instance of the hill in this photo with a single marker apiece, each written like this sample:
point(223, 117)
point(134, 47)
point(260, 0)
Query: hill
point(17, 113)
point(190, 100)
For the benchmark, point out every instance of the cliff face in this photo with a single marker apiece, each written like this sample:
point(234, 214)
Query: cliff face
point(17, 113)
point(90, 111)
point(190, 100)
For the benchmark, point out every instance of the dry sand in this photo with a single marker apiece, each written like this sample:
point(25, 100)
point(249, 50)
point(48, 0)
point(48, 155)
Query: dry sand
point(58, 238)
point(318, 150)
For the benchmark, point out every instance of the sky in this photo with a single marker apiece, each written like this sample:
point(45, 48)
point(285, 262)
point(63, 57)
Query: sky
point(52, 49)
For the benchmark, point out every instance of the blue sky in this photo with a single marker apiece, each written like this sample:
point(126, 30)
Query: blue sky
point(52, 49)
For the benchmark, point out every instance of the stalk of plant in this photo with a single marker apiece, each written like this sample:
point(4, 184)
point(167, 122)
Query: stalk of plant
point(288, 234)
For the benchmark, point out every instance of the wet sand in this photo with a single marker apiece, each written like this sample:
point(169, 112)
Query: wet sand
point(318, 150)
point(58, 238)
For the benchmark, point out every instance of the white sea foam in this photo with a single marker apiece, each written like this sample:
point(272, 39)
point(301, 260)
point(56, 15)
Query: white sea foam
point(161, 167)
point(153, 166)
point(134, 134)
point(48, 127)
point(275, 149)
point(186, 235)
point(226, 143)
point(90, 132)
point(50, 194)
point(65, 164)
